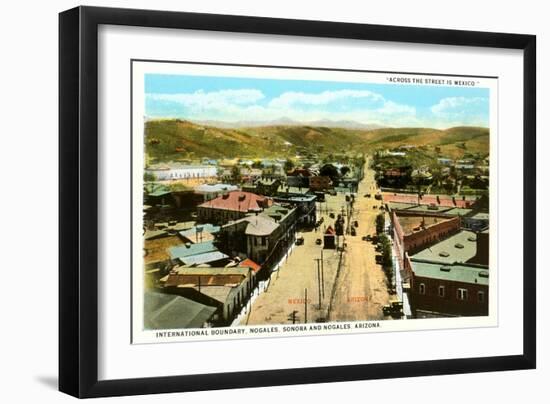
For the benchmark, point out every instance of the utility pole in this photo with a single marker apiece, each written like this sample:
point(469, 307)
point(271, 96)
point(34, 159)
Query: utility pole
point(305, 306)
point(293, 316)
point(319, 280)
point(322, 274)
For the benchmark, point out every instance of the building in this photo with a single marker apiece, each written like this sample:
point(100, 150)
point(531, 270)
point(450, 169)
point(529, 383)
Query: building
point(211, 191)
point(166, 312)
point(226, 289)
point(267, 186)
point(305, 206)
point(329, 238)
point(199, 233)
point(181, 171)
point(320, 183)
point(264, 238)
point(299, 177)
point(233, 205)
point(190, 254)
point(450, 277)
point(263, 186)
point(449, 289)
point(413, 232)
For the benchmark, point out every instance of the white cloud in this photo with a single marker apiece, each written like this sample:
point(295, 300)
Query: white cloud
point(460, 106)
point(251, 104)
point(292, 98)
point(213, 99)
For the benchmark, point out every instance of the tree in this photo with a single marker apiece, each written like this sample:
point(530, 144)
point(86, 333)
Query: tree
point(380, 223)
point(289, 165)
point(328, 170)
point(344, 170)
point(387, 259)
point(147, 176)
point(236, 173)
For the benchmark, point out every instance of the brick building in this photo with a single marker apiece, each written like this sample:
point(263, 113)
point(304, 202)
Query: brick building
point(449, 289)
point(451, 277)
point(412, 232)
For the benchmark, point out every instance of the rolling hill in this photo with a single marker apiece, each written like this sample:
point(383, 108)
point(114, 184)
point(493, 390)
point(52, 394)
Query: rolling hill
point(179, 139)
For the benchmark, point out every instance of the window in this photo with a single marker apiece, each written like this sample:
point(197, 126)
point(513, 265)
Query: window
point(441, 291)
point(462, 294)
point(481, 296)
point(263, 240)
point(422, 289)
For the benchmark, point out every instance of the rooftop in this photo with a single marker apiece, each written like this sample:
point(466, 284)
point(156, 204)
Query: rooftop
point(467, 273)
point(238, 201)
point(187, 250)
point(258, 225)
point(277, 212)
point(205, 258)
point(201, 233)
point(410, 224)
point(164, 311)
point(444, 200)
point(213, 188)
point(248, 263)
point(458, 248)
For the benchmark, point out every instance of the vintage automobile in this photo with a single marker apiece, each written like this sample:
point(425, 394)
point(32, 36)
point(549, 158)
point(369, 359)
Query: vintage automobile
point(300, 240)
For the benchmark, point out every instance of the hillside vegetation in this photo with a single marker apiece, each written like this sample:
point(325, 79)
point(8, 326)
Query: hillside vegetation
point(179, 139)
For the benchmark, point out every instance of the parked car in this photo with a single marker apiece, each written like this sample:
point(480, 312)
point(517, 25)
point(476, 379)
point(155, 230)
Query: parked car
point(318, 241)
point(300, 240)
point(356, 223)
point(353, 232)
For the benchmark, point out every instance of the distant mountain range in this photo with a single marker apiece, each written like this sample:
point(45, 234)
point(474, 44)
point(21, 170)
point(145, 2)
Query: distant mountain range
point(175, 139)
point(284, 121)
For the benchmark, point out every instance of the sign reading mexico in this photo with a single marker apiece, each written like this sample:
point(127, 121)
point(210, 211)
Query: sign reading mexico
point(272, 202)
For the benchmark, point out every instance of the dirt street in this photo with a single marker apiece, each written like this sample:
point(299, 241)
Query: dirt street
point(359, 291)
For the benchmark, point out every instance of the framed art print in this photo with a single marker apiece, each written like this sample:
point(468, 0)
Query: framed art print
point(268, 201)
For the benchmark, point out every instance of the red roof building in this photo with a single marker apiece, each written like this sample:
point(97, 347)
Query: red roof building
point(248, 263)
point(232, 206)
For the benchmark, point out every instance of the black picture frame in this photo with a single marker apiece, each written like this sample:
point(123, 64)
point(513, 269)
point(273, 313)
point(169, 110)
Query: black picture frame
point(78, 200)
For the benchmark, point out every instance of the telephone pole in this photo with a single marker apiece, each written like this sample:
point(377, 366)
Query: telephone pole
point(305, 306)
point(322, 275)
point(319, 279)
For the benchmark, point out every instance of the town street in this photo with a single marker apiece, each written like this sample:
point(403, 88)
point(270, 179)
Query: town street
point(361, 289)
point(357, 291)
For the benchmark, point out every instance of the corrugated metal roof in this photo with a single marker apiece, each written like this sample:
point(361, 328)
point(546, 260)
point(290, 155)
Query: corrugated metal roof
point(163, 311)
point(192, 249)
point(203, 258)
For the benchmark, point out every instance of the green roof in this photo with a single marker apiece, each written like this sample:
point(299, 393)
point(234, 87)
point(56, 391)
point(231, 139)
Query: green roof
point(189, 249)
point(480, 216)
point(458, 211)
point(460, 247)
point(400, 205)
point(164, 311)
point(466, 273)
point(428, 208)
point(277, 210)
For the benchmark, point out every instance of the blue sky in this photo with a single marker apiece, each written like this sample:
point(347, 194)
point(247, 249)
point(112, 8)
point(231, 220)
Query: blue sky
point(232, 99)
